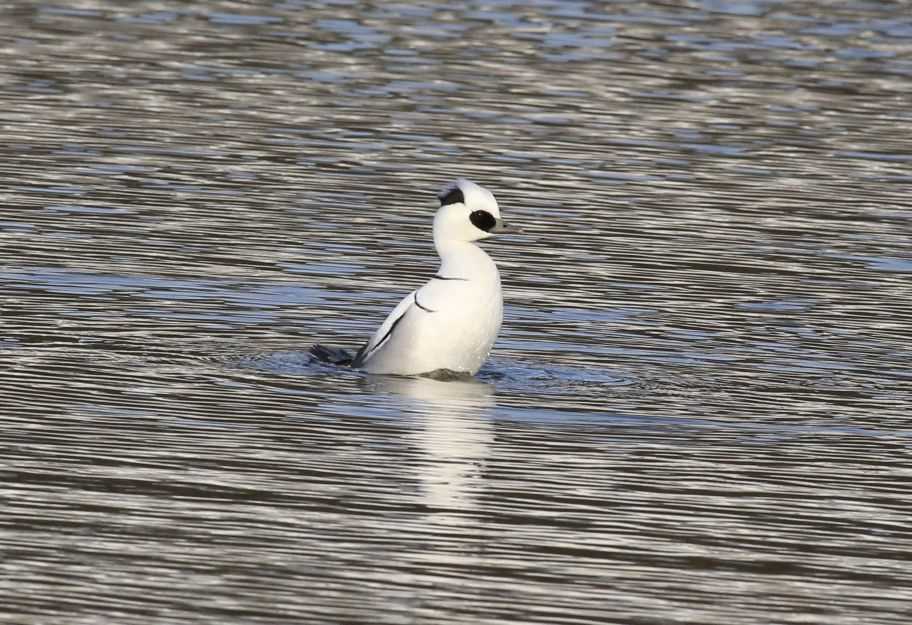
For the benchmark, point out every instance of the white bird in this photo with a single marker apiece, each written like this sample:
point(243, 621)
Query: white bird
point(449, 325)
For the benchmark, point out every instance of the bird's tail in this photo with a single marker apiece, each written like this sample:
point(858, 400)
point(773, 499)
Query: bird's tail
point(331, 355)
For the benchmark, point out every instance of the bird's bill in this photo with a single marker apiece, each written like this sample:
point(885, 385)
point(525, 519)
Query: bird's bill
point(500, 226)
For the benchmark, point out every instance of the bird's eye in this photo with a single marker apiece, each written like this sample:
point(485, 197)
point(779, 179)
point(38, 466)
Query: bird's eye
point(483, 220)
point(453, 197)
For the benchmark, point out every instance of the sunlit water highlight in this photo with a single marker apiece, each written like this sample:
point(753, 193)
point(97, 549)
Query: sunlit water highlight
point(698, 409)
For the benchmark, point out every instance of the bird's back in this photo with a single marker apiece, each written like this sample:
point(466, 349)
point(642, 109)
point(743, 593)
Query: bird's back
point(449, 323)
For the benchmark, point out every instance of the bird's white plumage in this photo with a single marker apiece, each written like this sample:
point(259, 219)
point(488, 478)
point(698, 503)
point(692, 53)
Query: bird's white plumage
point(452, 321)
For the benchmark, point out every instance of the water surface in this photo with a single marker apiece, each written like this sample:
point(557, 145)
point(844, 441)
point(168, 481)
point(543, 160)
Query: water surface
point(698, 409)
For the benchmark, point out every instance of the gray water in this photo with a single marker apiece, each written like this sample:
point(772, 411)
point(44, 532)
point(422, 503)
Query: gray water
point(698, 408)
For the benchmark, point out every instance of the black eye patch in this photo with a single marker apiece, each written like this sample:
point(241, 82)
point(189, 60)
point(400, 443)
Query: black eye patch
point(453, 197)
point(483, 220)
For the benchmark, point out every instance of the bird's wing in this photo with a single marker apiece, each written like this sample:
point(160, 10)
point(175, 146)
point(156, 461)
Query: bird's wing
point(437, 295)
point(385, 331)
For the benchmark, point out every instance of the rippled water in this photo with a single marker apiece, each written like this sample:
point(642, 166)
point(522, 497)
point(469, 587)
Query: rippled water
point(698, 409)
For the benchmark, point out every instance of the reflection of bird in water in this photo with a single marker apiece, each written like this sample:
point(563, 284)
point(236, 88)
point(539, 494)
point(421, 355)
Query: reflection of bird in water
point(454, 434)
point(450, 323)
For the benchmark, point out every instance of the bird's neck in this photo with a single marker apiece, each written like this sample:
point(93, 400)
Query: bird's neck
point(465, 260)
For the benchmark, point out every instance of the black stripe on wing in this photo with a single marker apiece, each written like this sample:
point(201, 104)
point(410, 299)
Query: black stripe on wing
point(424, 308)
point(363, 353)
